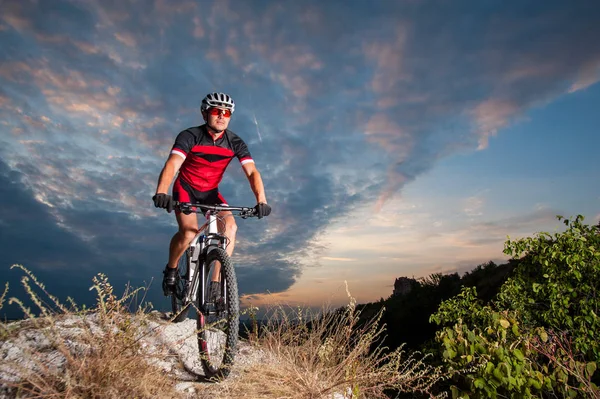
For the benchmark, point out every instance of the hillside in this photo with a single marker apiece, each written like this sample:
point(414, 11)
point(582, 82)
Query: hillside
point(34, 356)
point(407, 315)
point(528, 328)
point(109, 352)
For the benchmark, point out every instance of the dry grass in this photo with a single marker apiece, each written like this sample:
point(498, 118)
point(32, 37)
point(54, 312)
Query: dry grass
point(105, 359)
point(305, 356)
point(577, 373)
point(331, 354)
point(4, 329)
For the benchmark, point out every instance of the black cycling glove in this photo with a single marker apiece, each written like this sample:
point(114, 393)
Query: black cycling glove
point(163, 201)
point(262, 210)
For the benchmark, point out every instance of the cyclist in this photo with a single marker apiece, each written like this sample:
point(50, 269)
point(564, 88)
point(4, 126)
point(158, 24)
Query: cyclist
point(200, 155)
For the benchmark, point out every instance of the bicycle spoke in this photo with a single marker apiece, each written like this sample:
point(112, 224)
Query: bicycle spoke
point(218, 325)
point(218, 317)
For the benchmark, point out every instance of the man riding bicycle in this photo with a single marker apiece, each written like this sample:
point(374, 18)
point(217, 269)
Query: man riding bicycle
point(200, 155)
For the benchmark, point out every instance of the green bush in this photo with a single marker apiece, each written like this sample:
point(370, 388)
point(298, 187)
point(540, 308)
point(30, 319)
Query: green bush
point(541, 335)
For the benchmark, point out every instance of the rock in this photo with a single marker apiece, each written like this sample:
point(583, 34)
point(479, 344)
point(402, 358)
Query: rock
point(172, 347)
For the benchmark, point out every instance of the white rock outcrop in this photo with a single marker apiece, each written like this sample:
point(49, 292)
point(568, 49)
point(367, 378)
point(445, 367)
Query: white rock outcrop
point(172, 347)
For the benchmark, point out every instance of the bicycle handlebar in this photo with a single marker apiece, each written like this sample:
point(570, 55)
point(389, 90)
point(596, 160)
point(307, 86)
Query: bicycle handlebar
point(188, 208)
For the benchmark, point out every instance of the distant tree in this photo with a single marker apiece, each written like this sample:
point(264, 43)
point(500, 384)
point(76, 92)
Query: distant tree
point(433, 280)
point(488, 278)
point(407, 316)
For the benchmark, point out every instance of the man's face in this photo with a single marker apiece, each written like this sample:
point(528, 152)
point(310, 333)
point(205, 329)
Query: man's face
point(217, 118)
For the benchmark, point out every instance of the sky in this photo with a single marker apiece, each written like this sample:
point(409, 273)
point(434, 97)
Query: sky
point(394, 138)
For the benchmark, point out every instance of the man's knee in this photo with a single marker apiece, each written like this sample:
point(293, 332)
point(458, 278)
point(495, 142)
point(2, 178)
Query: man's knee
point(187, 233)
point(231, 227)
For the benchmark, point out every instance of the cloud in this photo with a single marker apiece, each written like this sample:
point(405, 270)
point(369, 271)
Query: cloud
point(482, 233)
point(491, 116)
point(473, 206)
point(88, 239)
point(126, 38)
point(589, 75)
point(387, 57)
point(94, 93)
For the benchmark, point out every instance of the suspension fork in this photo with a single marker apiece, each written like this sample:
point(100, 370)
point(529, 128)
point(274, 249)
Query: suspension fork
point(192, 293)
point(196, 248)
point(211, 241)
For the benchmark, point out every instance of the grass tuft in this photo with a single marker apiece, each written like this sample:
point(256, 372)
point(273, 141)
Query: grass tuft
point(96, 353)
point(328, 354)
point(84, 353)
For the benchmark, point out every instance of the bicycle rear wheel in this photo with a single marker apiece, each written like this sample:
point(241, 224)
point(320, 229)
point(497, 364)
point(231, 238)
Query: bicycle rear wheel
point(218, 320)
point(179, 305)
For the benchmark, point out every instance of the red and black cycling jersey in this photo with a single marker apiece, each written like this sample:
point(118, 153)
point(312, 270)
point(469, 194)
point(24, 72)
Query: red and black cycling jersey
point(205, 159)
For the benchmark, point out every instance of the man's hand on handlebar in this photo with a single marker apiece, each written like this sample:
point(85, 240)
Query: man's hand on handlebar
point(166, 201)
point(261, 209)
point(162, 200)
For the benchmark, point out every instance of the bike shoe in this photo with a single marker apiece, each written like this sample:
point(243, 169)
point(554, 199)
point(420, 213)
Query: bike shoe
point(169, 279)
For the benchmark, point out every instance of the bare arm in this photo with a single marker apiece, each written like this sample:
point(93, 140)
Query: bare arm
point(168, 173)
point(256, 183)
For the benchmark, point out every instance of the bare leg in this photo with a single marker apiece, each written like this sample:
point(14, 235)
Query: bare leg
point(188, 228)
point(227, 225)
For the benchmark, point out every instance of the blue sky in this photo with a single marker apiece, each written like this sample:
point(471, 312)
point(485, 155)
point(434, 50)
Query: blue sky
point(394, 138)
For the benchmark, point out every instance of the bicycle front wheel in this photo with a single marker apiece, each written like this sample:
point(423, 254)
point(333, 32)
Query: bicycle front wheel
point(179, 305)
point(218, 320)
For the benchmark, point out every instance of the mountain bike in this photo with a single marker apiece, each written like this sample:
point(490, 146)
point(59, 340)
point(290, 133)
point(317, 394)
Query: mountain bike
point(204, 262)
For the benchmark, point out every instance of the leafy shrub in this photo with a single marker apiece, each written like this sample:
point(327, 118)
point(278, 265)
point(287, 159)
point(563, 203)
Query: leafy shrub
point(541, 335)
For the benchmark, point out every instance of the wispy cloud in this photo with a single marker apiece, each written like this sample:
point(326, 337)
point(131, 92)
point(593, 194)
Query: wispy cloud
point(93, 94)
point(473, 206)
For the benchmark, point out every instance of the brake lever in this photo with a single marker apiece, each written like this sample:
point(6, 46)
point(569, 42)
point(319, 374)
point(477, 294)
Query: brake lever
point(247, 213)
point(185, 209)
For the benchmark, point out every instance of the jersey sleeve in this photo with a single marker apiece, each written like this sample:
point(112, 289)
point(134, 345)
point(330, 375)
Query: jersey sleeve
point(183, 144)
point(241, 151)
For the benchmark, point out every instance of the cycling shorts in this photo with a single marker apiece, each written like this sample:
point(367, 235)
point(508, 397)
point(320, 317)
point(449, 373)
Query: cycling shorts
point(183, 192)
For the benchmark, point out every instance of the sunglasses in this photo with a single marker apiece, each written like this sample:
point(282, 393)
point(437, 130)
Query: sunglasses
point(217, 111)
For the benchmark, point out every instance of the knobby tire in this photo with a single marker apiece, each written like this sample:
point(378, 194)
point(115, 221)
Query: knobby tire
point(219, 365)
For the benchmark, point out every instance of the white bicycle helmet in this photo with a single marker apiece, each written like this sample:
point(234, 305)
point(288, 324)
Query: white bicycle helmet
point(217, 100)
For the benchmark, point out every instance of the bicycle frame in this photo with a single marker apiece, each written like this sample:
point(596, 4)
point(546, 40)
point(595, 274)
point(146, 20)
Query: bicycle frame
point(218, 315)
point(206, 239)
